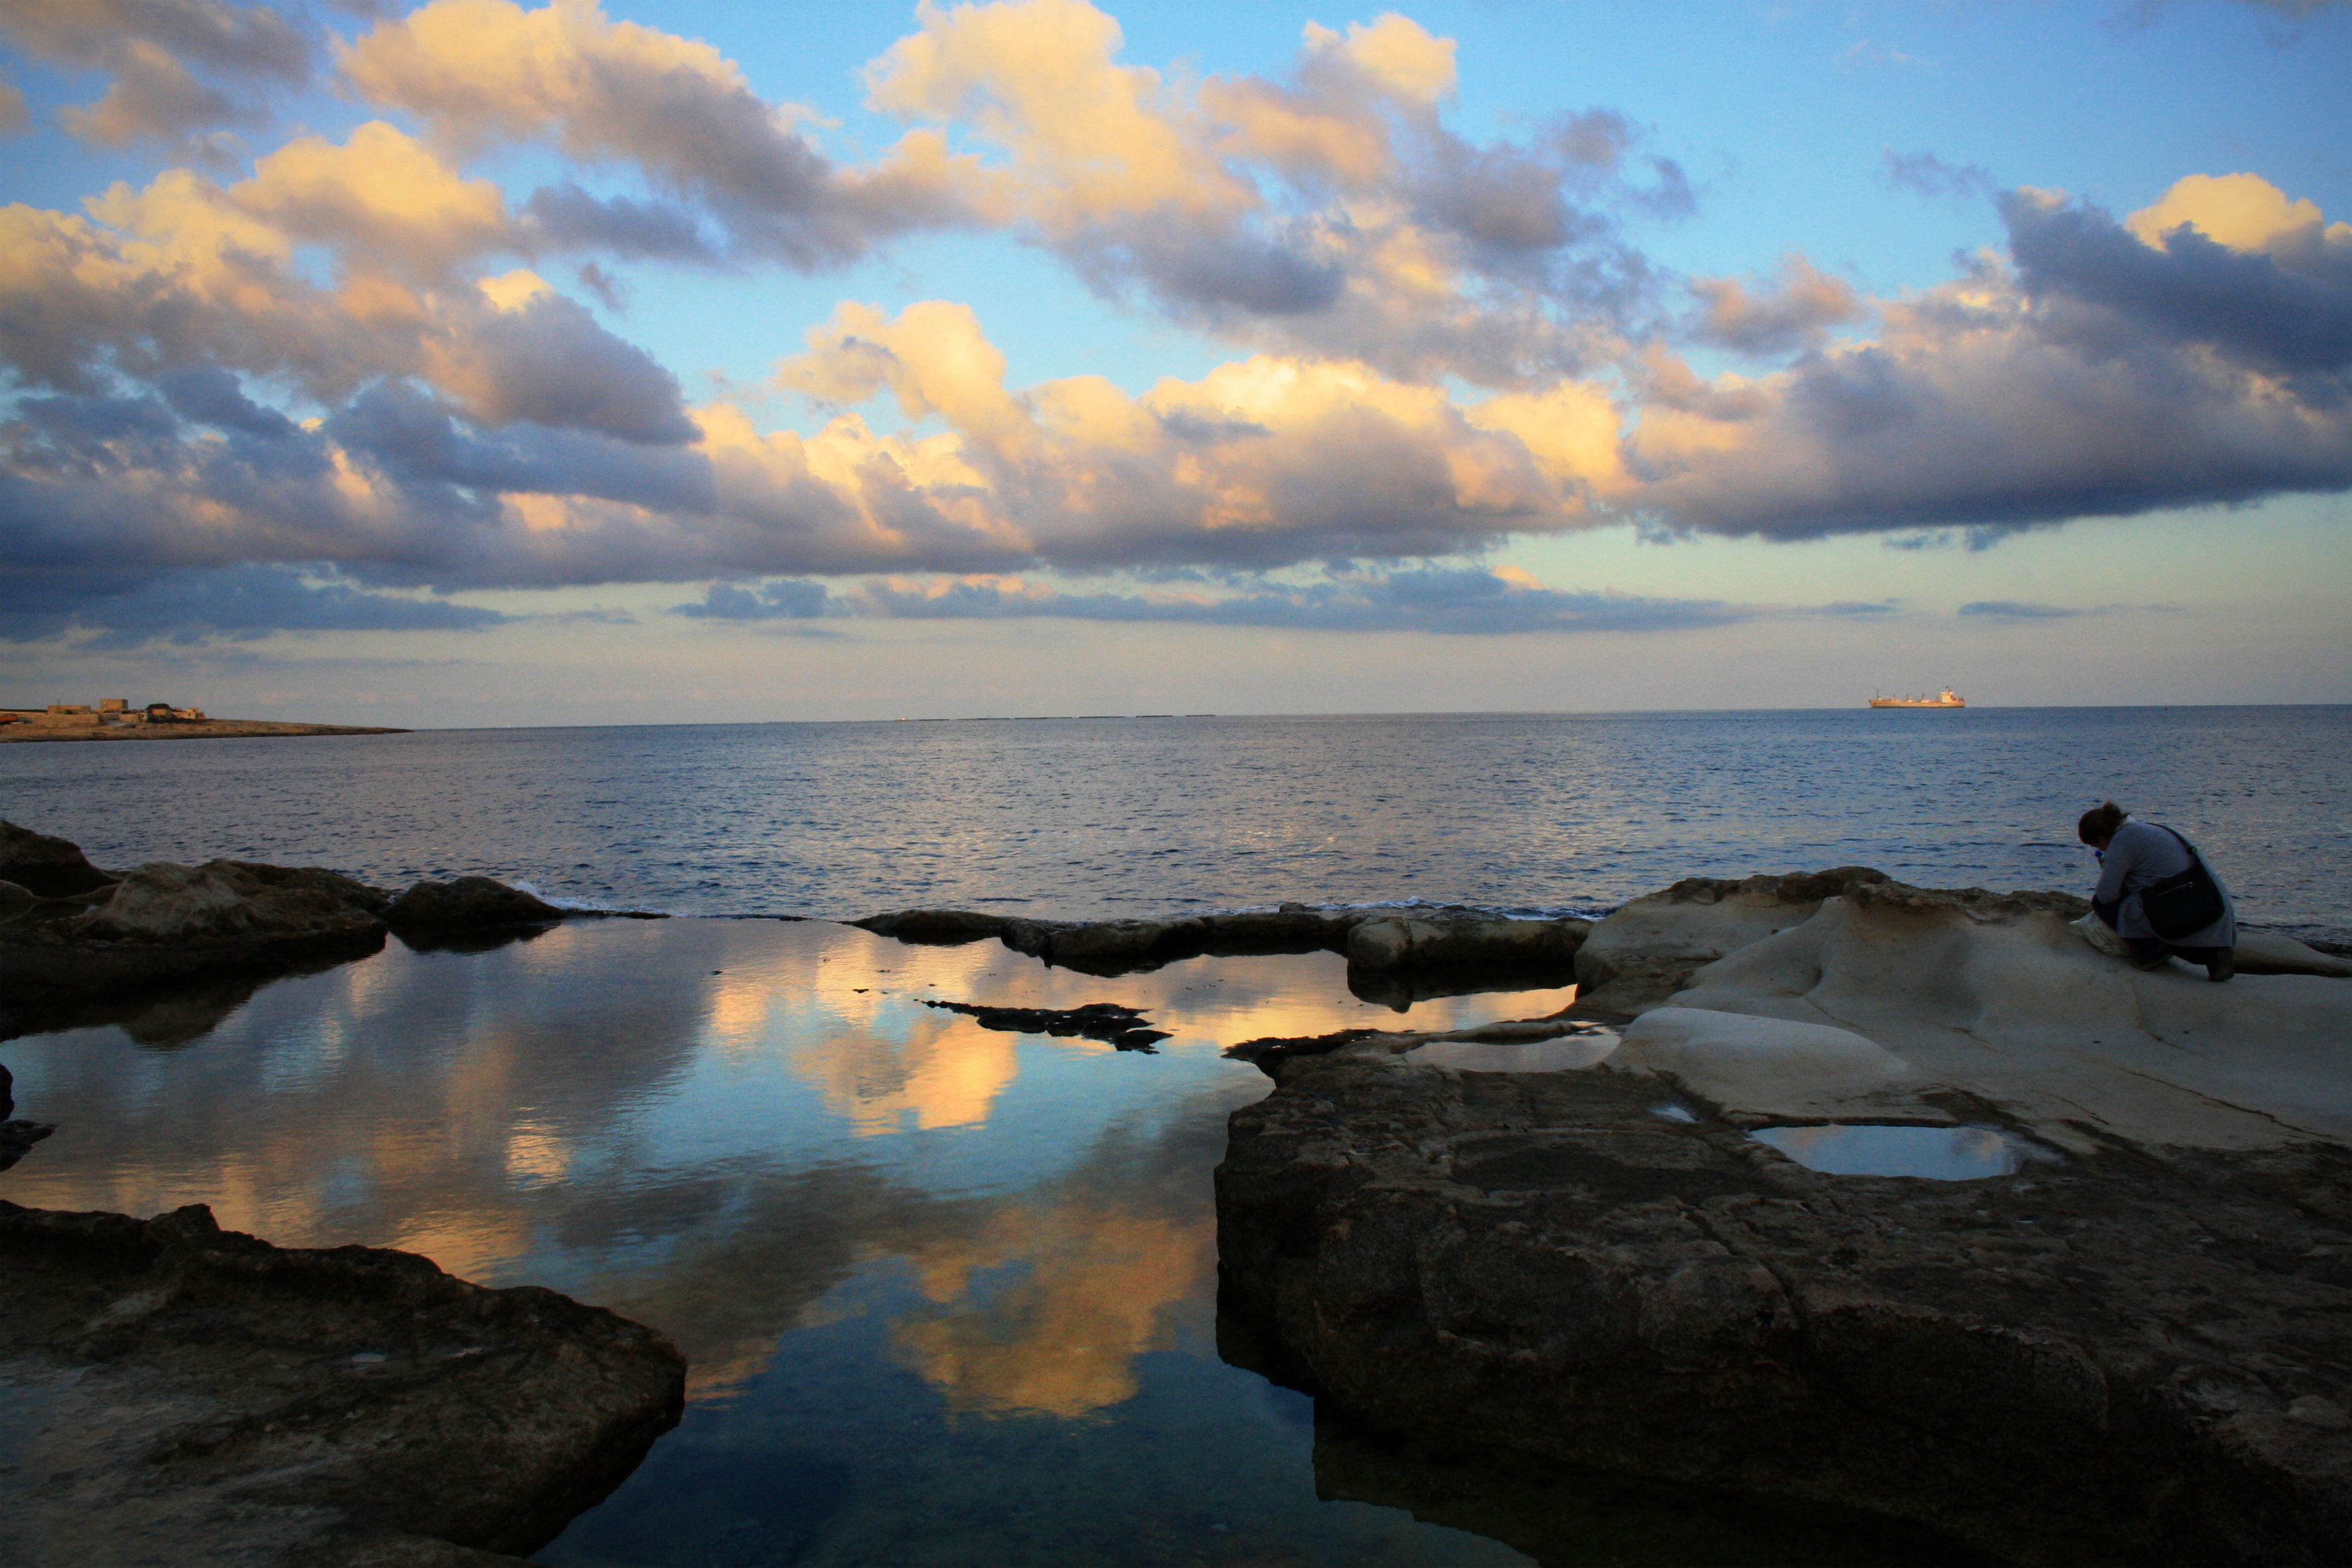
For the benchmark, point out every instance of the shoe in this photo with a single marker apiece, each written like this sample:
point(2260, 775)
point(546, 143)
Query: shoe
point(2221, 968)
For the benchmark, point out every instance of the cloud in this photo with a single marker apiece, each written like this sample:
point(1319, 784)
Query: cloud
point(1457, 601)
point(14, 119)
point(2275, 296)
point(2017, 610)
point(607, 92)
point(1794, 311)
point(128, 609)
point(2099, 376)
point(783, 598)
point(148, 47)
point(1328, 214)
point(1928, 175)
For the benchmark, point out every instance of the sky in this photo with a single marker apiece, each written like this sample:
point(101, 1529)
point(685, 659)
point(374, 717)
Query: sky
point(486, 363)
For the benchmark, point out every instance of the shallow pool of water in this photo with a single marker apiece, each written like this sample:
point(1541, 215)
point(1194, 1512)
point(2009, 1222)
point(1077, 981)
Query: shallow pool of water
point(1939, 1153)
point(948, 1291)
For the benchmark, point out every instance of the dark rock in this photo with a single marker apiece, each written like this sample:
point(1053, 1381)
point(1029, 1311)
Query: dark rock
point(183, 1394)
point(17, 1138)
point(468, 903)
point(165, 925)
point(44, 867)
point(2117, 1361)
point(941, 928)
point(1104, 1021)
point(1269, 1051)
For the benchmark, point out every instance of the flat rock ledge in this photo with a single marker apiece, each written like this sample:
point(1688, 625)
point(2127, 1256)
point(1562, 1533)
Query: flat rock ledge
point(183, 1396)
point(2135, 1348)
point(2121, 1360)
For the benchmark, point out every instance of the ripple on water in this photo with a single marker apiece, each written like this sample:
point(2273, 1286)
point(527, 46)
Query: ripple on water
point(1937, 1154)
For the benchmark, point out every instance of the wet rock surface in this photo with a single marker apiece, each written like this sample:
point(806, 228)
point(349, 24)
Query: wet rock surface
point(2124, 1359)
point(44, 867)
point(1393, 956)
point(1124, 1027)
point(178, 1395)
point(80, 938)
point(467, 904)
point(2137, 1353)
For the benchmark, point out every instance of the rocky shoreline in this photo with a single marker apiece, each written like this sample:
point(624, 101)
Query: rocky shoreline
point(2134, 1346)
point(185, 729)
point(1579, 1242)
point(73, 935)
point(181, 1394)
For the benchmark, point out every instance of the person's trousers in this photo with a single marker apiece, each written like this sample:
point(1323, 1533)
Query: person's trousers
point(2150, 949)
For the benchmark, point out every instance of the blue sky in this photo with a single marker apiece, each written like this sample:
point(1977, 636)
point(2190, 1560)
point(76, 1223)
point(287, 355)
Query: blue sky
point(485, 363)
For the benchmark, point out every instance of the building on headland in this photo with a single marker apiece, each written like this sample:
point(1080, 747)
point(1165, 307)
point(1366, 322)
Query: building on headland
point(106, 713)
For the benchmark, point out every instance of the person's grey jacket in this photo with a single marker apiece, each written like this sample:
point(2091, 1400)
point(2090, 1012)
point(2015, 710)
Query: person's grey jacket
point(2141, 854)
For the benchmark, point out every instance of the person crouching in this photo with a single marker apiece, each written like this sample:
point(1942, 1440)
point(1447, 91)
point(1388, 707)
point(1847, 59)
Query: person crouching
point(2158, 894)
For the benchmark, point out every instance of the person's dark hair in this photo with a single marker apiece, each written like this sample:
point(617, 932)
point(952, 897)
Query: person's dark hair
point(2099, 824)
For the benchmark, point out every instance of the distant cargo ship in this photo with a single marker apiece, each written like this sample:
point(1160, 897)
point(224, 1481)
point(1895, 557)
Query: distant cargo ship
point(1946, 698)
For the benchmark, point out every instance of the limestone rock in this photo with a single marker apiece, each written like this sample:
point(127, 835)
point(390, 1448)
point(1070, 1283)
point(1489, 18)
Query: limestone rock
point(1992, 997)
point(2104, 1363)
point(467, 903)
point(231, 900)
point(1465, 941)
point(2276, 953)
point(1770, 1069)
point(45, 867)
point(1645, 951)
point(15, 893)
point(187, 1395)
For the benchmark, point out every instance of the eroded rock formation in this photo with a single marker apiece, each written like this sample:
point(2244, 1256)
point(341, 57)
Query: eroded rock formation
point(186, 1395)
point(2142, 1354)
point(72, 934)
point(1387, 951)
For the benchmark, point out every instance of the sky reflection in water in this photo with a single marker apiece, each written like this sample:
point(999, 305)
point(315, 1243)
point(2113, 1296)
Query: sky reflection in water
point(917, 1265)
point(949, 1293)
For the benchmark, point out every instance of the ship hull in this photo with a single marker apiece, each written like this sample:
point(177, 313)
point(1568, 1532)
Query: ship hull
point(1916, 702)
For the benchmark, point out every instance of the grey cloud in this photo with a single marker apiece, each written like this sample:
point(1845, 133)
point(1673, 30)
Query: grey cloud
point(2096, 380)
point(420, 441)
point(552, 364)
point(2289, 309)
point(1794, 311)
point(1929, 175)
point(783, 598)
point(148, 47)
point(236, 40)
point(694, 129)
point(13, 115)
point(128, 609)
point(567, 217)
point(2021, 610)
point(2018, 610)
point(154, 97)
point(1449, 601)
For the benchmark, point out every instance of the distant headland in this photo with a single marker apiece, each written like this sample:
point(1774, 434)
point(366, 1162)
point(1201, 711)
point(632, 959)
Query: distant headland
point(114, 719)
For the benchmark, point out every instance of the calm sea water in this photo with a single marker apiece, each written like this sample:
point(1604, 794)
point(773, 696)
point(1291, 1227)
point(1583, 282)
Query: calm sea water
point(1094, 817)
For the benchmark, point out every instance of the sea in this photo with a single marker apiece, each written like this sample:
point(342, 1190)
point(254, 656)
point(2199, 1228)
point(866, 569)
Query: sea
point(949, 1293)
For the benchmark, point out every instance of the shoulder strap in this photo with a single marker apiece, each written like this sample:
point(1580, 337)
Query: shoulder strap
point(2193, 856)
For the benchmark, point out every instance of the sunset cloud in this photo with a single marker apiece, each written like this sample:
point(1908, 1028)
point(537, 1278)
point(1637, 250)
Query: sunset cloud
point(354, 362)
